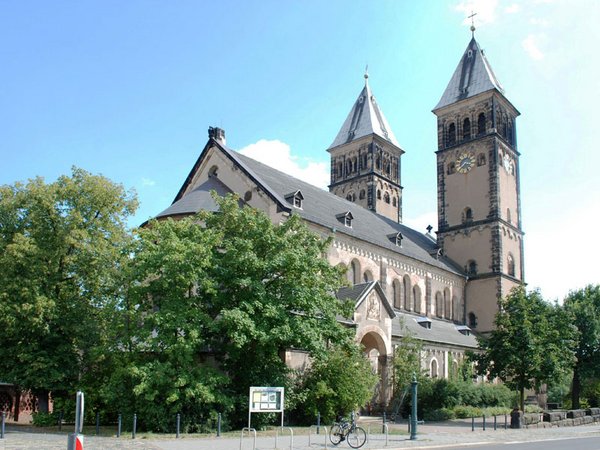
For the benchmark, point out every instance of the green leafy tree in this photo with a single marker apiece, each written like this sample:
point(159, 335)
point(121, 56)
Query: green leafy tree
point(61, 254)
point(531, 344)
point(229, 289)
point(584, 306)
point(337, 383)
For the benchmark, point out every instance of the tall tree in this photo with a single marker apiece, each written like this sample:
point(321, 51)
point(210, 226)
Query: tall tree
point(531, 344)
point(61, 251)
point(230, 287)
point(584, 305)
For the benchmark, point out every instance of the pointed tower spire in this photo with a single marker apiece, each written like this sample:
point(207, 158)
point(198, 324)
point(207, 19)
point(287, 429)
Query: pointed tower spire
point(473, 76)
point(365, 118)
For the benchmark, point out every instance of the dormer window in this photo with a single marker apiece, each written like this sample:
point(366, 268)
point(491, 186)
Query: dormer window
point(425, 322)
point(295, 198)
point(345, 218)
point(463, 329)
point(396, 238)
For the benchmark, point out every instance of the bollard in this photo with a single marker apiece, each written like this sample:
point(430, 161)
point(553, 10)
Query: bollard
point(409, 422)
point(495, 427)
point(384, 422)
point(3, 425)
point(60, 419)
point(472, 423)
point(134, 426)
point(178, 425)
point(318, 422)
point(97, 423)
point(219, 425)
point(505, 421)
point(484, 422)
point(119, 423)
point(413, 426)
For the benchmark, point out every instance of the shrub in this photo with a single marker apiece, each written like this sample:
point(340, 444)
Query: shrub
point(41, 419)
point(439, 415)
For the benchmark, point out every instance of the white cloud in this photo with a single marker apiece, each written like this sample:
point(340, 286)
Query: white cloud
point(558, 258)
point(278, 155)
point(538, 21)
point(531, 46)
point(485, 10)
point(421, 222)
point(511, 9)
point(148, 182)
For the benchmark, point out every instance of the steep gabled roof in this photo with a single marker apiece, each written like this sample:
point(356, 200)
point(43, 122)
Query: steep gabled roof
point(359, 292)
point(365, 118)
point(319, 207)
point(473, 76)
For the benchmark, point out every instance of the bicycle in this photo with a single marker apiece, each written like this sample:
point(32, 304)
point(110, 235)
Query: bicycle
point(348, 431)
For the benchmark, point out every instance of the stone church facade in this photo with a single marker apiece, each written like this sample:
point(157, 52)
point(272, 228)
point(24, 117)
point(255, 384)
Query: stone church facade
point(437, 289)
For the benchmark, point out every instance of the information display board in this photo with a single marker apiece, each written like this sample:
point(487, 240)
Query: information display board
point(266, 399)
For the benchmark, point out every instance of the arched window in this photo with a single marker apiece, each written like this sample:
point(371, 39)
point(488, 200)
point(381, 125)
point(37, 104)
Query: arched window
point(481, 124)
point(439, 304)
point(467, 128)
point(472, 267)
point(354, 271)
point(368, 276)
point(365, 161)
point(481, 159)
point(472, 320)
point(386, 197)
point(361, 195)
point(455, 312)
point(467, 215)
point(406, 292)
point(433, 370)
point(447, 304)
point(340, 169)
point(511, 265)
point(378, 162)
point(355, 163)
point(394, 201)
point(451, 168)
point(416, 299)
point(451, 134)
point(397, 292)
point(213, 172)
point(378, 194)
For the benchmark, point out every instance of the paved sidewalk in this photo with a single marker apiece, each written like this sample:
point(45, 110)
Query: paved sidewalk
point(430, 436)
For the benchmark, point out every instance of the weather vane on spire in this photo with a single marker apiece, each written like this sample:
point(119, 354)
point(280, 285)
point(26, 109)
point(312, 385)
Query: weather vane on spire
point(472, 17)
point(366, 73)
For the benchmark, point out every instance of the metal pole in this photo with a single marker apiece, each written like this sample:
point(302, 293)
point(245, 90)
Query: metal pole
point(318, 422)
point(409, 421)
point(484, 422)
point(178, 424)
point(3, 425)
point(219, 425)
point(384, 421)
point(119, 423)
point(413, 425)
point(472, 423)
point(495, 424)
point(97, 423)
point(134, 426)
point(60, 419)
point(505, 421)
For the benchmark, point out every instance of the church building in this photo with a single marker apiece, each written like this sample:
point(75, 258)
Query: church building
point(438, 289)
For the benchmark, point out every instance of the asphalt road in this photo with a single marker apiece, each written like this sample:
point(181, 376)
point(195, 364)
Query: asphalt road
point(585, 443)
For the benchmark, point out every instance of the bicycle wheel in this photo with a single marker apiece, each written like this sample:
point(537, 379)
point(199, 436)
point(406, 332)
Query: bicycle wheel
point(357, 437)
point(335, 435)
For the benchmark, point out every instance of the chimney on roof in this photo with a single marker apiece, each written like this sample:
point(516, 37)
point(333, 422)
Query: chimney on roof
point(218, 134)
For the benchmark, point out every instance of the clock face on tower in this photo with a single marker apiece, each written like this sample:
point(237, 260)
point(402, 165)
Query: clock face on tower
point(465, 162)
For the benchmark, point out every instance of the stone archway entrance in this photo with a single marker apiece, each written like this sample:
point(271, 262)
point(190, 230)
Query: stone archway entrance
point(375, 349)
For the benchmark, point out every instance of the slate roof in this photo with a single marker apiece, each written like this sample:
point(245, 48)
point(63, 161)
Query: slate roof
point(198, 199)
point(365, 118)
point(441, 331)
point(473, 76)
point(319, 206)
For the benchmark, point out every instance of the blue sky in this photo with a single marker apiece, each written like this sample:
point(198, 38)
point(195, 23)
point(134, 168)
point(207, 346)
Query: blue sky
point(128, 90)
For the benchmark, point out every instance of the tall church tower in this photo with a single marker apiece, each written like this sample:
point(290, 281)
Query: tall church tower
point(479, 208)
point(365, 159)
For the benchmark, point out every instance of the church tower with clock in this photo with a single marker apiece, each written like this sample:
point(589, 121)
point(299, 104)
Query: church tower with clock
point(479, 210)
